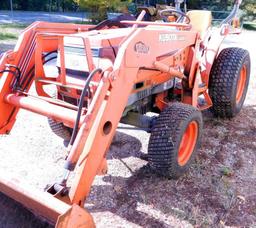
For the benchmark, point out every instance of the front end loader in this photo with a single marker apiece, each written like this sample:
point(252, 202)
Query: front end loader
point(111, 75)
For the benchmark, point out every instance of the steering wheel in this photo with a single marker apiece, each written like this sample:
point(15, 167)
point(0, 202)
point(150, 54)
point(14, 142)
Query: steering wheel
point(172, 12)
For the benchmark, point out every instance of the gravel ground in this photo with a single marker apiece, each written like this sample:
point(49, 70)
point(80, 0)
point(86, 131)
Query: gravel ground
point(217, 191)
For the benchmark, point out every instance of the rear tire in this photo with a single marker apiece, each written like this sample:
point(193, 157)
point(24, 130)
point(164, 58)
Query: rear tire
point(229, 80)
point(59, 129)
point(174, 139)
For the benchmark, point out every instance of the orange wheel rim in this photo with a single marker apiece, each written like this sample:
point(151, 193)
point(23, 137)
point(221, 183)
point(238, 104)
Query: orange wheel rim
point(241, 84)
point(188, 143)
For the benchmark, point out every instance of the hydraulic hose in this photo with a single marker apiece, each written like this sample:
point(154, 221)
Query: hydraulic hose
point(30, 76)
point(80, 105)
point(16, 73)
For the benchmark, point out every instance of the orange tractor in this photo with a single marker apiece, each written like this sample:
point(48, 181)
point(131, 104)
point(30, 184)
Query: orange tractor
point(106, 75)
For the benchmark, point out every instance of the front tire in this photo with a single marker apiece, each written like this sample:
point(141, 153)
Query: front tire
point(229, 80)
point(174, 139)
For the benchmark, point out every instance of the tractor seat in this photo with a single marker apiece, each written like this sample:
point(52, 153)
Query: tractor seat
point(200, 20)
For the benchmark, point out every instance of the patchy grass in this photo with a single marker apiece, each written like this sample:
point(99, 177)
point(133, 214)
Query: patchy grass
point(226, 171)
point(7, 36)
point(11, 31)
point(13, 26)
point(249, 26)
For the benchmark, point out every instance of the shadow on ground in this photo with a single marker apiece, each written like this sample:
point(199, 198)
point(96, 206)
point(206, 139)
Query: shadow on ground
point(217, 190)
point(14, 215)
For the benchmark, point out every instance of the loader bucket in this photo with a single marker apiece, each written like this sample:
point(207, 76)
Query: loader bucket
point(75, 217)
point(45, 205)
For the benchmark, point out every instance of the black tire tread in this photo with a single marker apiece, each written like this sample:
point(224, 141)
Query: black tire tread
point(59, 129)
point(223, 81)
point(165, 136)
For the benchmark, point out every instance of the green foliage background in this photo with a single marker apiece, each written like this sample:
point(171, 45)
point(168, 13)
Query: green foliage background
point(99, 8)
point(40, 5)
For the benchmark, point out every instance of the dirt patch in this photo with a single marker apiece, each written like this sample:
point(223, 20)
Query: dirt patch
point(218, 189)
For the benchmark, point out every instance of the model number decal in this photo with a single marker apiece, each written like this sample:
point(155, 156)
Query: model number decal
point(170, 37)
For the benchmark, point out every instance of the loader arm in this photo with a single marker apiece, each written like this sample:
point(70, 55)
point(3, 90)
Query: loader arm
point(98, 122)
point(23, 59)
